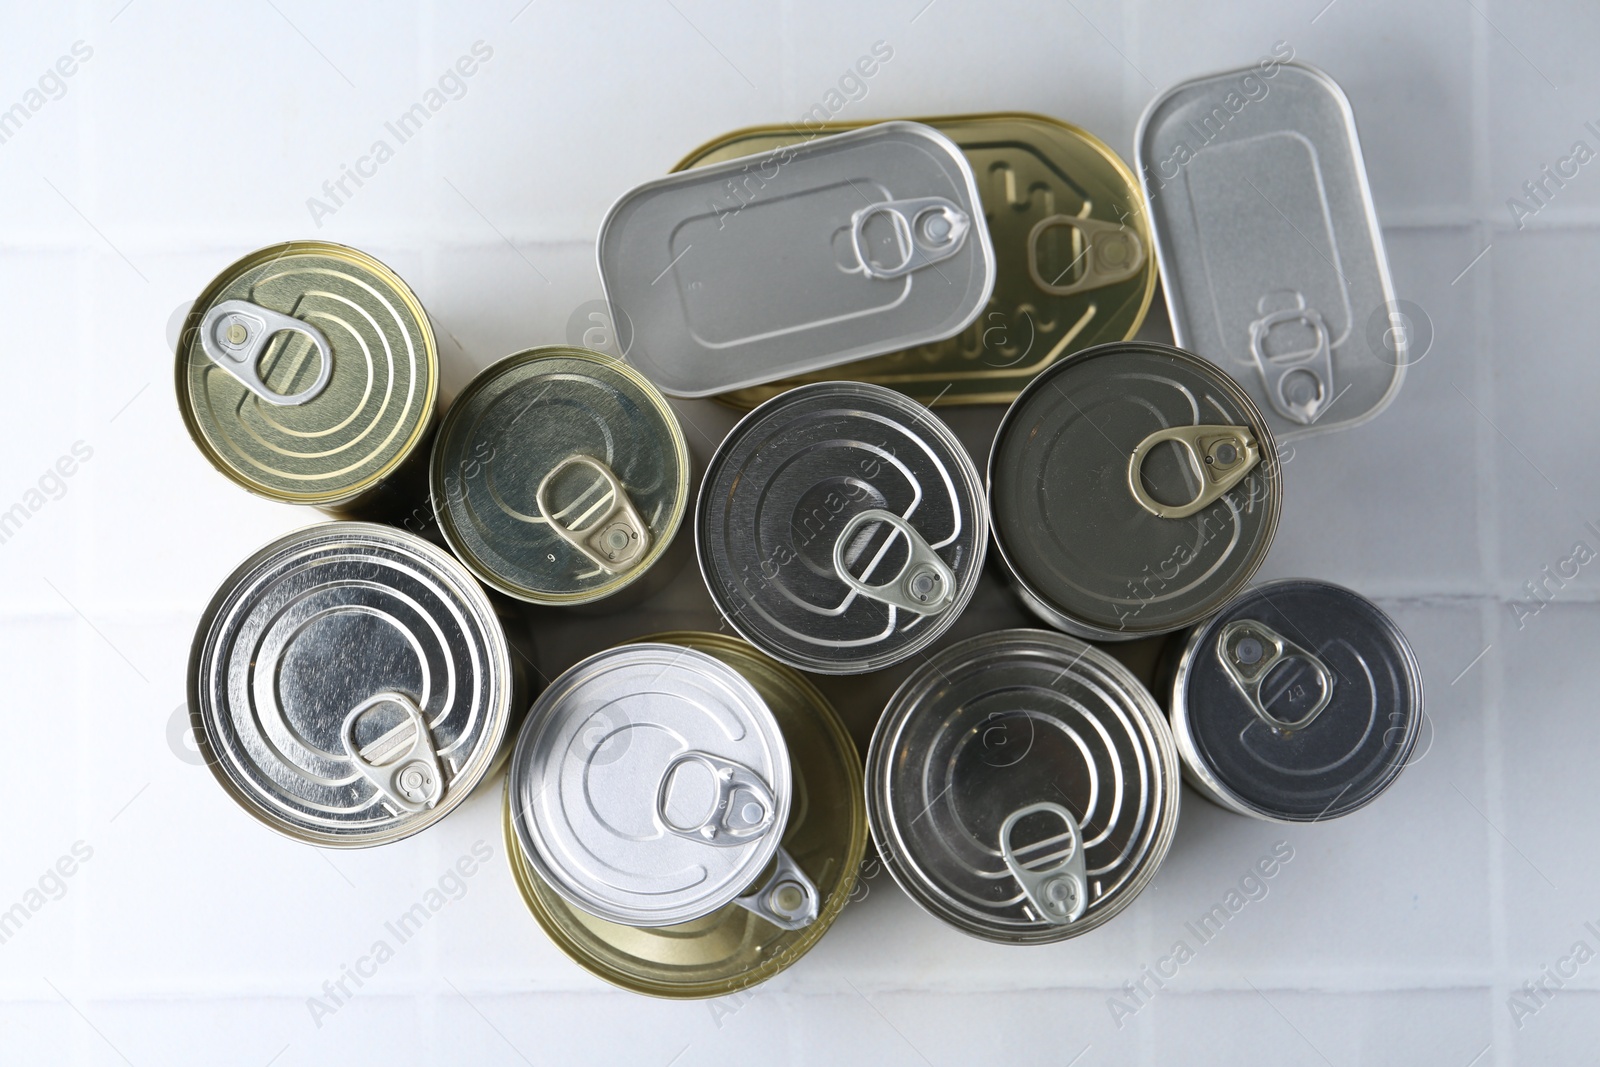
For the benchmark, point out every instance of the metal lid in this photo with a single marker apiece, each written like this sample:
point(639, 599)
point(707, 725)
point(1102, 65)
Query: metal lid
point(1301, 701)
point(350, 684)
point(822, 253)
point(307, 372)
point(650, 785)
point(1075, 266)
point(841, 527)
point(1270, 250)
point(560, 475)
point(1022, 786)
point(1134, 488)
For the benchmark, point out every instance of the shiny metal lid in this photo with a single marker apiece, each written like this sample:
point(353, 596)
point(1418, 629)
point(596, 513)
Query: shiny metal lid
point(650, 785)
point(1300, 701)
point(1022, 786)
point(560, 475)
point(350, 684)
point(841, 527)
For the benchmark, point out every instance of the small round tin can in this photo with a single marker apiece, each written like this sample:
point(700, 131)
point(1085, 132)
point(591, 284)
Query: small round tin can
point(1301, 701)
point(1022, 787)
point(308, 373)
point(350, 684)
point(732, 948)
point(1134, 489)
point(841, 527)
point(560, 476)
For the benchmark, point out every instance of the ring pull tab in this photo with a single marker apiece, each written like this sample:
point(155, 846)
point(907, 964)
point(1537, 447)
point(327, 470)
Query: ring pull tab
point(234, 333)
point(925, 585)
point(1059, 892)
point(1280, 372)
point(412, 781)
point(611, 533)
point(1249, 650)
point(1112, 253)
point(743, 810)
point(1219, 456)
point(927, 229)
point(787, 899)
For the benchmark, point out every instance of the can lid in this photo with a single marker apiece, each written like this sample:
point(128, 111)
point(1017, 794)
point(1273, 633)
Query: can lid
point(560, 475)
point(339, 749)
point(1022, 786)
point(1134, 488)
point(841, 527)
point(307, 372)
point(1269, 245)
point(815, 255)
point(650, 785)
point(1300, 701)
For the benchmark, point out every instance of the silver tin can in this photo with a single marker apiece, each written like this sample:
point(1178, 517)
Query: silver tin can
point(841, 527)
point(1022, 787)
point(350, 684)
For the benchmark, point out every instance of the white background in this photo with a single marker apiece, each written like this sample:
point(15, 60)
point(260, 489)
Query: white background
point(197, 132)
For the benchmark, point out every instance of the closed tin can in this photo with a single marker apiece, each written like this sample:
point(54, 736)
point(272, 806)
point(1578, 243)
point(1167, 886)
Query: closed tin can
point(560, 476)
point(1134, 489)
point(350, 685)
point(1022, 787)
point(841, 527)
point(308, 373)
point(732, 948)
point(1300, 701)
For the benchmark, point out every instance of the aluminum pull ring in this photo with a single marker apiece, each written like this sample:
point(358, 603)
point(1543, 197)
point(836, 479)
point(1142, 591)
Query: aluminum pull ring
point(1276, 371)
point(234, 334)
point(614, 541)
point(925, 585)
point(927, 229)
point(411, 781)
point(1249, 650)
point(1059, 893)
point(788, 899)
point(1112, 253)
point(1219, 456)
point(727, 824)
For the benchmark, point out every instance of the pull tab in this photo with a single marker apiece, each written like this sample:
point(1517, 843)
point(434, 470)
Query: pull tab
point(927, 229)
point(1219, 455)
point(1112, 253)
point(412, 781)
point(743, 810)
point(1249, 650)
point(1059, 893)
point(1281, 372)
point(235, 333)
point(614, 541)
point(925, 585)
point(788, 899)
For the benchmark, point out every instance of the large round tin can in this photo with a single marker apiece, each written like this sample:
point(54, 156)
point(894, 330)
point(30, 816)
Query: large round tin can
point(560, 476)
point(1300, 701)
point(1134, 489)
point(841, 527)
point(350, 684)
point(1022, 787)
point(732, 948)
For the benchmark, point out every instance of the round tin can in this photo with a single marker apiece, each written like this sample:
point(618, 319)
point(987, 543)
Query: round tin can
point(560, 476)
point(841, 527)
point(1134, 489)
point(350, 685)
point(308, 373)
point(1022, 787)
point(1300, 701)
point(731, 948)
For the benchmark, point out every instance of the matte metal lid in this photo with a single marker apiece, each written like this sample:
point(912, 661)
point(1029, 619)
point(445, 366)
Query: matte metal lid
point(841, 527)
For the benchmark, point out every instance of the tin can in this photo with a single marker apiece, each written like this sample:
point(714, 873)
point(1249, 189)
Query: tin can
point(841, 527)
point(560, 476)
point(1301, 701)
point(732, 948)
point(1134, 489)
point(1074, 263)
point(350, 685)
point(1022, 787)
